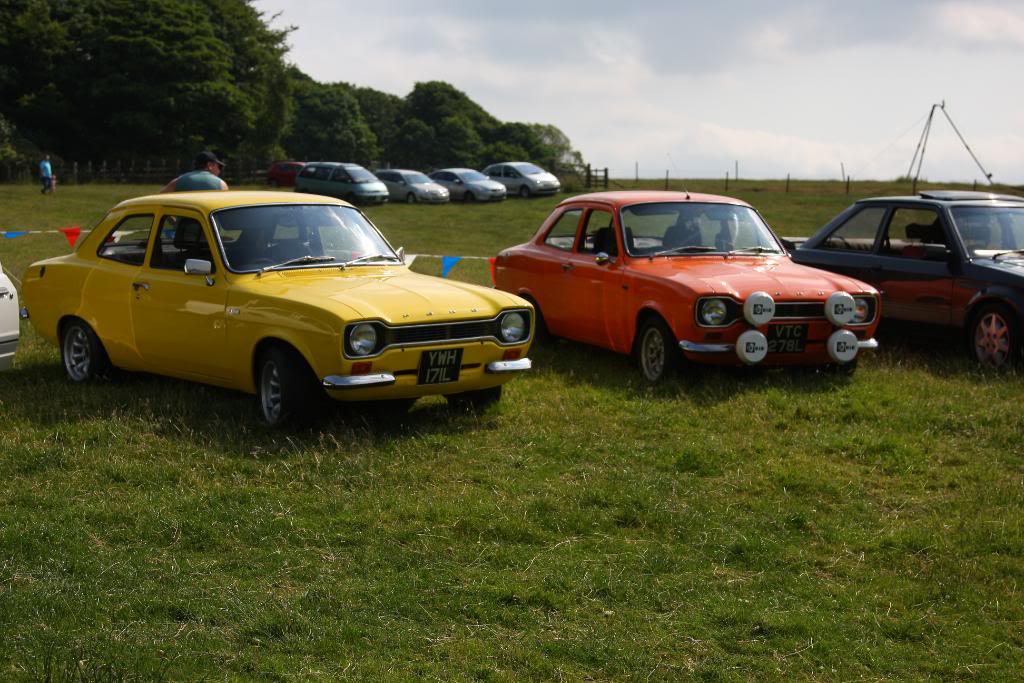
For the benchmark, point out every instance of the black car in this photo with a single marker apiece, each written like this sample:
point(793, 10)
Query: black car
point(949, 258)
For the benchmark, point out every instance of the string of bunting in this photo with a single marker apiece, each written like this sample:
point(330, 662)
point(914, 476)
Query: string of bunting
point(70, 233)
point(73, 232)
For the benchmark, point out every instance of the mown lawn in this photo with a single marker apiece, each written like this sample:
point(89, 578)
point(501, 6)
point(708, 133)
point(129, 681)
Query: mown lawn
point(730, 525)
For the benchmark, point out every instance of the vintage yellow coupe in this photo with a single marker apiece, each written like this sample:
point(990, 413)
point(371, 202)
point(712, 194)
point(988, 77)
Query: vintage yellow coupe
point(291, 297)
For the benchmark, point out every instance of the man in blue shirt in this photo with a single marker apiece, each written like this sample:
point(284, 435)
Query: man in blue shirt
point(206, 176)
point(46, 174)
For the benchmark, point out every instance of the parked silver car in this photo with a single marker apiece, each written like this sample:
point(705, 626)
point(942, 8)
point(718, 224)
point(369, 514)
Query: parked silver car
point(523, 178)
point(9, 324)
point(412, 186)
point(469, 185)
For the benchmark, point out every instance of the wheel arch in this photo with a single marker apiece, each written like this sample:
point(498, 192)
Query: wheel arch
point(643, 314)
point(994, 295)
point(261, 347)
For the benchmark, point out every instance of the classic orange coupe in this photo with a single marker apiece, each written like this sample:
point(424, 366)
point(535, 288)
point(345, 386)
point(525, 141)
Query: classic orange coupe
point(672, 275)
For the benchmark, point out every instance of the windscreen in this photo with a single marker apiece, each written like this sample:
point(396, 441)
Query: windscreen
point(417, 179)
point(671, 228)
point(360, 174)
point(989, 230)
point(255, 237)
point(472, 176)
point(529, 169)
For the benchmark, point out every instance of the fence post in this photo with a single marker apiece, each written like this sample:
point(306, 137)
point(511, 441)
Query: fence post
point(606, 177)
point(847, 184)
point(975, 184)
point(666, 178)
point(787, 183)
point(726, 181)
point(588, 177)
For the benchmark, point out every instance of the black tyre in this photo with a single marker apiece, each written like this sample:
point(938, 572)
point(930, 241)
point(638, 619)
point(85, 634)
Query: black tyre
point(524, 191)
point(272, 183)
point(541, 333)
point(475, 401)
point(469, 197)
point(82, 352)
point(410, 198)
point(657, 352)
point(287, 389)
point(995, 336)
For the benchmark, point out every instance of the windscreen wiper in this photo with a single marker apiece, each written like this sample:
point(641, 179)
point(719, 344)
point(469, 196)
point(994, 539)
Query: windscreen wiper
point(1004, 253)
point(753, 250)
point(308, 258)
point(689, 248)
point(346, 264)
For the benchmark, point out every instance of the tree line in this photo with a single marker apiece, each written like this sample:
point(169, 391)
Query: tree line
point(135, 79)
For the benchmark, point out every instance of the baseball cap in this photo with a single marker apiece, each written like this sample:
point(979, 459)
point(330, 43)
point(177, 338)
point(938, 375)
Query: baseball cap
point(205, 157)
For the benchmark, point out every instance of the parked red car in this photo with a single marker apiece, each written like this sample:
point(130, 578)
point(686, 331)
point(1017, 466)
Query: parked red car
point(282, 173)
point(668, 275)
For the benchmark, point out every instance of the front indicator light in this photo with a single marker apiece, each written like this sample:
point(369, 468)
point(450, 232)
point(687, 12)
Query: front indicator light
point(513, 327)
point(713, 312)
point(862, 309)
point(363, 339)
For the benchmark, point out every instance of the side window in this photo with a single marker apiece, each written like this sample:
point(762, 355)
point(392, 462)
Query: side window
point(858, 232)
point(562, 234)
point(512, 173)
point(127, 242)
point(308, 172)
point(909, 230)
point(338, 175)
point(444, 175)
point(599, 234)
point(179, 239)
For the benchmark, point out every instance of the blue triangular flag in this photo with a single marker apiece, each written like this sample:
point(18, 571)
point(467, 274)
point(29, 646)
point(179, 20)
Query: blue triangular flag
point(15, 233)
point(447, 263)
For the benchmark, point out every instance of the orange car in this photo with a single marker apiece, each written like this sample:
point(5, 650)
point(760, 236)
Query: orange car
point(668, 275)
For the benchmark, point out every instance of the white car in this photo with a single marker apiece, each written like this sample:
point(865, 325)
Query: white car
point(523, 179)
point(412, 186)
point(8, 321)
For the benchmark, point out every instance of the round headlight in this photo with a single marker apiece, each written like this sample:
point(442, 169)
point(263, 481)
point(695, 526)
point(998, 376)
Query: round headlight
point(363, 339)
point(713, 311)
point(861, 310)
point(513, 327)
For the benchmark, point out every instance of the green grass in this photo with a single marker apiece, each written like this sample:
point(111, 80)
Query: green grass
point(729, 525)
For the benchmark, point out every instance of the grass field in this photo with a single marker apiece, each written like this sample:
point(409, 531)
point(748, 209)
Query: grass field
point(729, 525)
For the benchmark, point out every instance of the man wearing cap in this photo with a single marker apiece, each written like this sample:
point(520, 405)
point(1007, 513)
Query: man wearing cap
point(206, 176)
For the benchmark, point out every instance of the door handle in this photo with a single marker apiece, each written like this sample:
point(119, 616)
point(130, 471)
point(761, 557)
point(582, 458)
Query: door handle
point(567, 266)
point(140, 285)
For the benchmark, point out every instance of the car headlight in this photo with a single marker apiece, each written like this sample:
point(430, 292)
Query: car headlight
point(362, 339)
point(713, 311)
point(862, 309)
point(513, 327)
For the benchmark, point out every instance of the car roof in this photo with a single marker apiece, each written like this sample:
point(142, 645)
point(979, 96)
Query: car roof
point(211, 200)
point(620, 198)
point(456, 170)
point(950, 196)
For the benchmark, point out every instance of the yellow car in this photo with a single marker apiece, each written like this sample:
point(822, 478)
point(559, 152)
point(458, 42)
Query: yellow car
point(287, 296)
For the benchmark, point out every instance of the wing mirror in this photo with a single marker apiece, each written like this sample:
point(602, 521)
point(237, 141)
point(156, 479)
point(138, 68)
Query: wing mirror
point(602, 258)
point(195, 266)
point(401, 253)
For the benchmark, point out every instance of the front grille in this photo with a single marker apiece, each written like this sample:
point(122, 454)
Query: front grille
point(799, 309)
point(419, 334)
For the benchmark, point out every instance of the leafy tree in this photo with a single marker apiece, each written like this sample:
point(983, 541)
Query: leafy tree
point(7, 152)
point(328, 124)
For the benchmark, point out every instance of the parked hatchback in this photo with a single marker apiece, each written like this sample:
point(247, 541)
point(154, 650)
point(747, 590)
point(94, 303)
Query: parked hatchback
point(350, 182)
point(948, 258)
point(469, 185)
point(412, 186)
point(523, 178)
point(282, 173)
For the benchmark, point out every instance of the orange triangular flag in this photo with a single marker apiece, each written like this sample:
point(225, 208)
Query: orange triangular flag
point(492, 261)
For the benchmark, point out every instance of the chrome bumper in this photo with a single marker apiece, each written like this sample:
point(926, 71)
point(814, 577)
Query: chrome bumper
point(694, 347)
point(381, 379)
point(501, 366)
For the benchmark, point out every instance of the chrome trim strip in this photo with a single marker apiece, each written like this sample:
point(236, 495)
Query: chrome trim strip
point(382, 379)
point(867, 344)
point(501, 366)
point(694, 347)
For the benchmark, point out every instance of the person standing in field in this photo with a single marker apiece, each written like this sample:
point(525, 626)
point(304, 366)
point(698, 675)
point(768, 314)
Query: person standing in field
point(46, 174)
point(206, 175)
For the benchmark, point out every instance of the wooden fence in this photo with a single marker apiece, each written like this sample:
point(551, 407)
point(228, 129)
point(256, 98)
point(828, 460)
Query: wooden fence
point(145, 172)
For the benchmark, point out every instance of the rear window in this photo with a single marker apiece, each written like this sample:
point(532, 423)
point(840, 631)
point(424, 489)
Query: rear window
point(127, 242)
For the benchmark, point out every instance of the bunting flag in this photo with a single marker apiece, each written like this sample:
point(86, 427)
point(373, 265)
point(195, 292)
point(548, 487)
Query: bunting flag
point(447, 263)
point(11, 234)
point(493, 260)
point(71, 234)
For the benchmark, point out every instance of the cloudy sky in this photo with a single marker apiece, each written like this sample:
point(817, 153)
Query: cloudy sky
point(690, 87)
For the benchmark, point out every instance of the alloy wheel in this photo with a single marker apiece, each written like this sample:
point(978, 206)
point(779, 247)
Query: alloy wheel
point(652, 354)
point(992, 339)
point(77, 354)
point(270, 392)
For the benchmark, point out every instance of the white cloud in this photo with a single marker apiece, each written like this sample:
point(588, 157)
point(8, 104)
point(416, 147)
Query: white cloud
point(982, 25)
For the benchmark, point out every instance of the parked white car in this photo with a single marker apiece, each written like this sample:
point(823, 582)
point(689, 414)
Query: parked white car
point(8, 321)
point(523, 178)
point(469, 185)
point(412, 186)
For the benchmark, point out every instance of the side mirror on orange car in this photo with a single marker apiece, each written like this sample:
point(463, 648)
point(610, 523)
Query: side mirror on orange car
point(601, 258)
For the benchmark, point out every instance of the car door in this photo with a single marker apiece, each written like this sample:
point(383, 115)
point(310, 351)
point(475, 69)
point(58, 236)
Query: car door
point(513, 180)
point(913, 270)
point(179, 318)
point(9, 322)
point(592, 283)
